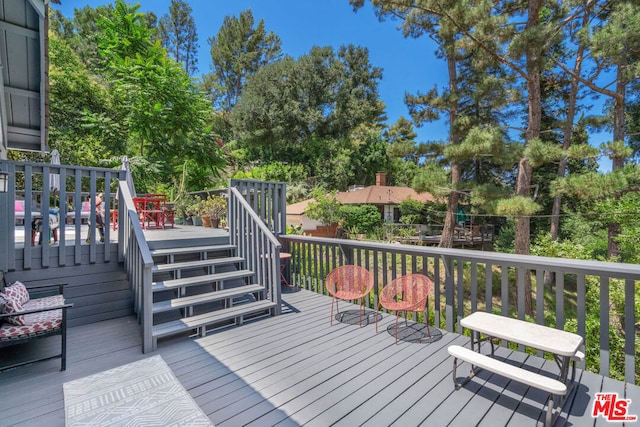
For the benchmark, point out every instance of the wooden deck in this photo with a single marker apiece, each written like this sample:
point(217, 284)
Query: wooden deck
point(178, 232)
point(297, 370)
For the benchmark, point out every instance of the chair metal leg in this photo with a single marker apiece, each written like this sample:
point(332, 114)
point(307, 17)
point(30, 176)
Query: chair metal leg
point(396, 328)
point(331, 319)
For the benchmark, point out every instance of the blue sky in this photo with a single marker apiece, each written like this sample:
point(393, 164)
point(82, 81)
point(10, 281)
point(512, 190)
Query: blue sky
point(409, 65)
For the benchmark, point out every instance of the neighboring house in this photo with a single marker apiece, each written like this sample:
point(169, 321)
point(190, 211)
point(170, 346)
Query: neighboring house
point(23, 76)
point(386, 198)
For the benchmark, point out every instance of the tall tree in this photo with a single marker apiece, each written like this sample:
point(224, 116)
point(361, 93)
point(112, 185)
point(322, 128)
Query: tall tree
point(516, 35)
point(77, 103)
point(572, 104)
point(238, 50)
point(402, 141)
point(317, 109)
point(614, 44)
point(164, 112)
point(178, 34)
point(81, 32)
point(470, 94)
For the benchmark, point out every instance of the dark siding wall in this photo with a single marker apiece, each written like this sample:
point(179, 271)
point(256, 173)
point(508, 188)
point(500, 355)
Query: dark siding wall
point(98, 291)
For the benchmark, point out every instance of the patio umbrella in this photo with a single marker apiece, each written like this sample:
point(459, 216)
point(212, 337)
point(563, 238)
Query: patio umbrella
point(54, 178)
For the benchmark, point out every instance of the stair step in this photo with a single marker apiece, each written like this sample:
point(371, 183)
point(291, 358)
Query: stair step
point(159, 268)
point(177, 326)
point(191, 250)
point(176, 303)
point(199, 280)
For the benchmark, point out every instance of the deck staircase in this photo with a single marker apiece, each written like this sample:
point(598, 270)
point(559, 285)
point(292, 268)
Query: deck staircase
point(199, 285)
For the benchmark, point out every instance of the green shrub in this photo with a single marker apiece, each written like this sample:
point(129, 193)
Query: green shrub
point(360, 219)
point(505, 240)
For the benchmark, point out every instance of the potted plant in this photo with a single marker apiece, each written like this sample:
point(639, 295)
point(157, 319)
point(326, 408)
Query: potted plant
point(203, 211)
point(183, 206)
point(215, 207)
point(196, 209)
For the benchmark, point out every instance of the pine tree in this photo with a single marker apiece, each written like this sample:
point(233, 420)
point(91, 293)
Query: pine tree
point(238, 50)
point(178, 34)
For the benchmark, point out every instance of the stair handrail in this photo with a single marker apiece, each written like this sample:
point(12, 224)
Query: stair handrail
point(134, 251)
point(256, 243)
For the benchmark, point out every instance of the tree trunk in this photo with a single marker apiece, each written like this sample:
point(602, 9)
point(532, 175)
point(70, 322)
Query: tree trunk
point(566, 143)
point(568, 134)
point(523, 183)
point(613, 248)
point(446, 240)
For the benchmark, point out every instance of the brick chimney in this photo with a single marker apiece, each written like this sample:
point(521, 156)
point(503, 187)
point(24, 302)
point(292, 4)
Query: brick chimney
point(381, 179)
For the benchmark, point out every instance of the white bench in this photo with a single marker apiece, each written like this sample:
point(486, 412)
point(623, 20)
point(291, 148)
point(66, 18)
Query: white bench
point(478, 360)
point(499, 367)
point(563, 345)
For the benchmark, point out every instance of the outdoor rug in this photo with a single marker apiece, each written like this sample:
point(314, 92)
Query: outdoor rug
point(143, 393)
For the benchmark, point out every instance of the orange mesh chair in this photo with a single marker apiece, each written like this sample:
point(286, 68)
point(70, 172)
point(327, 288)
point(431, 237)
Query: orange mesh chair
point(406, 293)
point(348, 282)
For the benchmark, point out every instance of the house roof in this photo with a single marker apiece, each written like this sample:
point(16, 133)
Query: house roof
point(372, 195)
point(23, 121)
point(298, 208)
point(382, 195)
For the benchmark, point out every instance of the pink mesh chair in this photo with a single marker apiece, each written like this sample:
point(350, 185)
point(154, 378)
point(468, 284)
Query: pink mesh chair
point(406, 293)
point(348, 282)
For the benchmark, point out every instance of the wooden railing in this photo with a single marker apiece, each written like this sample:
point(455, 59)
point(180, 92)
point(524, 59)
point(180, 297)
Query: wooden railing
point(138, 263)
point(256, 244)
point(267, 199)
point(467, 281)
point(32, 183)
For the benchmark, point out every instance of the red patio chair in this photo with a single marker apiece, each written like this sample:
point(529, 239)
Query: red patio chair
point(348, 282)
point(406, 293)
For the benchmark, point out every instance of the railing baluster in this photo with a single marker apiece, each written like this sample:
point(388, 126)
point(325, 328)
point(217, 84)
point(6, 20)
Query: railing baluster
point(520, 277)
point(78, 219)
point(28, 208)
point(92, 218)
point(62, 237)
point(436, 293)
point(504, 293)
point(449, 293)
point(460, 293)
point(629, 330)
point(488, 297)
point(520, 281)
point(559, 300)
point(581, 304)
point(474, 286)
point(540, 300)
point(604, 326)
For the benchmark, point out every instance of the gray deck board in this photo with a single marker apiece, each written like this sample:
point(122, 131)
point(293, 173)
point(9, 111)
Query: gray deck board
point(611, 386)
point(511, 396)
point(529, 407)
point(296, 369)
point(392, 403)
